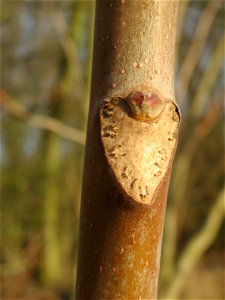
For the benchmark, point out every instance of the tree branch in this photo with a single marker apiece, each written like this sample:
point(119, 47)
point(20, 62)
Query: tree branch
point(179, 184)
point(39, 121)
point(196, 47)
point(197, 246)
point(130, 149)
point(208, 79)
point(183, 7)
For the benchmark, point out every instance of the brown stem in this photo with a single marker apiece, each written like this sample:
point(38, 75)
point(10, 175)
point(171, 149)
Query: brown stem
point(122, 213)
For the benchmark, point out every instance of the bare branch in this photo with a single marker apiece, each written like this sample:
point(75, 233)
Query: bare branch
point(183, 7)
point(197, 246)
point(120, 205)
point(209, 77)
point(182, 171)
point(196, 47)
point(19, 111)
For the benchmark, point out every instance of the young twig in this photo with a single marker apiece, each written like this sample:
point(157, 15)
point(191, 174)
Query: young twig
point(44, 122)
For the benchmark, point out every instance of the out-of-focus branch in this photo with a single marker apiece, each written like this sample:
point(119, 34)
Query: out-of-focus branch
point(73, 80)
point(183, 163)
point(181, 173)
point(208, 79)
point(196, 47)
point(197, 246)
point(183, 5)
point(19, 111)
point(74, 69)
point(66, 42)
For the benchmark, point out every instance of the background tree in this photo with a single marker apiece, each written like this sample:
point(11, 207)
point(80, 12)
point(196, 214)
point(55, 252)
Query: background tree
point(35, 55)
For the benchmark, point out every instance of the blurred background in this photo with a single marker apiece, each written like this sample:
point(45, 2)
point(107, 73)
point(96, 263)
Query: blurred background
point(46, 53)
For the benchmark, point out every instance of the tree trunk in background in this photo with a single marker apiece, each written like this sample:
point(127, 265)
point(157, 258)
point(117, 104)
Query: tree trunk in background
point(131, 141)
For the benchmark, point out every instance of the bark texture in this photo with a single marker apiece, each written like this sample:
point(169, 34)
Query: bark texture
point(128, 157)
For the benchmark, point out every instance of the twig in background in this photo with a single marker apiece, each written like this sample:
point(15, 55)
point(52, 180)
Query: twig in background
point(39, 121)
point(74, 73)
point(197, 246)
point(208, 79)
point(196, 48)
point(182, 170)
point(183, 6)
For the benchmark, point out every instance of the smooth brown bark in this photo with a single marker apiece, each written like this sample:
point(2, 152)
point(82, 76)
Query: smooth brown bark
point(120, 234)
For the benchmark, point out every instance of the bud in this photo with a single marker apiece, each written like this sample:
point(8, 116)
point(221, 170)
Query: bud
point(144, 107)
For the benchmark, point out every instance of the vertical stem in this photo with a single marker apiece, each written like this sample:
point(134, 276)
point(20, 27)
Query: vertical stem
point(120, 240)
